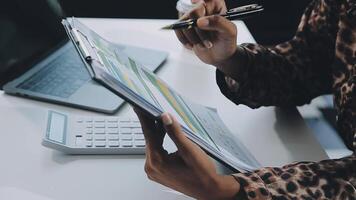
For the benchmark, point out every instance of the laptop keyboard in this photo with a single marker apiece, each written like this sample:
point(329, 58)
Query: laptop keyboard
point(61, 78)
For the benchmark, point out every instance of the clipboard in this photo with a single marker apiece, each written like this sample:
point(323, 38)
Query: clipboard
point(133, 82)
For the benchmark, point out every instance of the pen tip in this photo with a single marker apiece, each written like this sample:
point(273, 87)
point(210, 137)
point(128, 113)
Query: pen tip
point(168, 27)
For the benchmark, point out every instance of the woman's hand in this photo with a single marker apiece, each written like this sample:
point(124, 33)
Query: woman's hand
point(189, 170)
point(214, 38)
point(215, 6)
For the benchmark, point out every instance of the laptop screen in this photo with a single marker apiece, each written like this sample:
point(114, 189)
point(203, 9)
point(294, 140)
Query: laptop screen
point(29, 30)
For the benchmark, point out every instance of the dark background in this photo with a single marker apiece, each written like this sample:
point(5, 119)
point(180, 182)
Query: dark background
point(29, 27)
point(278, 23)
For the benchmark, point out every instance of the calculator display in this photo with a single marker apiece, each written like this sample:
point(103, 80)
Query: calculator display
point(56, 127)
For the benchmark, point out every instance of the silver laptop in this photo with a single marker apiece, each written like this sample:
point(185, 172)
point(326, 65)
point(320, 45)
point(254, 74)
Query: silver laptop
point(51, 69)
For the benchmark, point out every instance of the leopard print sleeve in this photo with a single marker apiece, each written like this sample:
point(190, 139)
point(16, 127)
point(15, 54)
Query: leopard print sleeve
point(329, 179)
point(292, 73)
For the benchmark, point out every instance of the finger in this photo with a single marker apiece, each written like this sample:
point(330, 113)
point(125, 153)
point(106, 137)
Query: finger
point(148, 126)
point(152, 126)
point(175, 132)
point(181, 37)
point(198, 11)
point(187, 42)
point(161, 133)
point(153, 136)
point(200, 36)
point(192, 36)
point(190, 33)
point(189, 152)
point(215, 7)
point(212, 6)
point(155, 153)
point(184, 17)
point(205, 38)
point(216, 23)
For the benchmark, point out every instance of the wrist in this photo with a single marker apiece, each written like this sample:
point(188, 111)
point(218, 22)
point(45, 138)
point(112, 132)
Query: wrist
point(234, 65)
point(226, 188)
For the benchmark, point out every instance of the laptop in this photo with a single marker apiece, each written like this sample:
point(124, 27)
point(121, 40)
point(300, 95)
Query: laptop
point(40, 62)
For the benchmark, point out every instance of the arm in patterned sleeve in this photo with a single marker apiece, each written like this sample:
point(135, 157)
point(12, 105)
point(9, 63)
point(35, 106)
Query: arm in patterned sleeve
point(329, 179)
point(292, 73)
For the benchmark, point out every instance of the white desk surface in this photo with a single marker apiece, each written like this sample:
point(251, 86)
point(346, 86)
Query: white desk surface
point(29, 168)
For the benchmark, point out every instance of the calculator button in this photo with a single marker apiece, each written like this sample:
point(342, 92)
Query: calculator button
point(113, 137)
point(135, 123)
point(89, 131)
point(100, 143)
point(89, 120)
point(126, 143)
point(89, 137)
point(125, 124)
point(99, 131)
point(78, 140)
point(139, 137)
point(126, 137)
point(124, 120)
point(80, 120)
point(89, 143)
point(137, 127)
point(112, 120)
point(89, 125)
point(99, 125)
point(137, 131)
point(99, 120)
point(113, 143)
point(100, 137)
point(112, 131)
point(112, 125)
point(125, 130)
point(140, 143)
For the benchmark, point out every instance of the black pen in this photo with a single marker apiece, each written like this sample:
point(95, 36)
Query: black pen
point(242, 12)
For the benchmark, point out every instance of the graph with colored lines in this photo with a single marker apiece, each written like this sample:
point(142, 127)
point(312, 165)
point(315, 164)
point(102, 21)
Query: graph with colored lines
point(147, 85)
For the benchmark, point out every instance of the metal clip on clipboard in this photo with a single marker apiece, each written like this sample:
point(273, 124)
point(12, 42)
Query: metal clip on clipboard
point(89, 54)
point(80, 43)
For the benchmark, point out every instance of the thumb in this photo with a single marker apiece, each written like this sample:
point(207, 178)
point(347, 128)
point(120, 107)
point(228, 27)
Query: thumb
point(191, 153)
point(174, 131)
point(216, 23)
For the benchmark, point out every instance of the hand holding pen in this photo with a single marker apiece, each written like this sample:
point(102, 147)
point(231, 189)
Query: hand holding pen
point(213, 38)
point(233, 14)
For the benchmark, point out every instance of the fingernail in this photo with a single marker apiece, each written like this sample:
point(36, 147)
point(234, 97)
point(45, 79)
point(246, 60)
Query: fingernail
point(208, 44)
point(166, 119)
point(204, 22)
point(195, 1)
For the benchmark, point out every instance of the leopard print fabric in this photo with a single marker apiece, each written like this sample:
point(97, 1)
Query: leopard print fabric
point(320, 59)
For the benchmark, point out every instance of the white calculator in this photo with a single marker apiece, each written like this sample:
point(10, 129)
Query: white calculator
point(93, 135)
